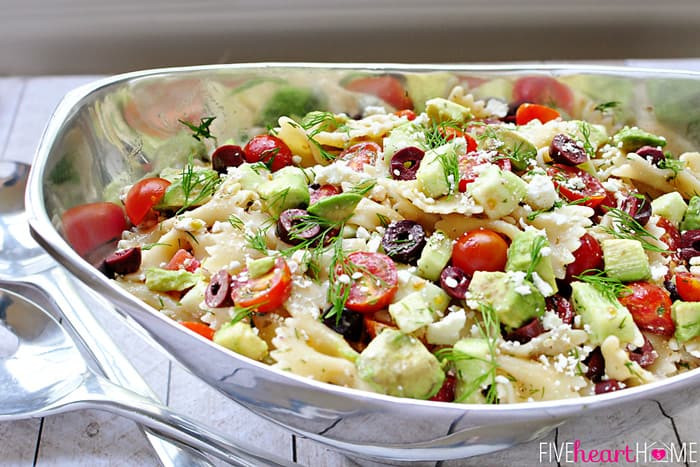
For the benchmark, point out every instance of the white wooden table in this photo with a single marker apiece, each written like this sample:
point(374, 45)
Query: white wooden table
point(98, 439)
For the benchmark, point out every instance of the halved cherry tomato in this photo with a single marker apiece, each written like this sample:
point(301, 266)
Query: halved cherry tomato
point(650, 306)
point(408, 113)
point(447, 391)
point(672, 237)
point(142, 196)
point(378, 284)
point(264, 293)
point(182, 259)
point(468, 163)
point(587, 256)
point(268, 149)
point(575, 184)
point(450, 133)
point(360, 154)
point(528, 112)
point(90, 225)
point(387, 88)
point(543, 90)
point(323, 191)
point(200, 328)
point(688, 287)
point(480, 250)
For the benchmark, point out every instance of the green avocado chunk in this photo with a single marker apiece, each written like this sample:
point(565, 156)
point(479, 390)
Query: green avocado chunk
point(472, 363)
point(691, 220)
point(435, 256)
point(399, 365)
point(514, 299)
point(625, 259)
point(686, 316)
point(252, 175)
point(442, 110)
point(163, 280)
point(518, 148)
point(431, 176)
point(498, 191)
point(419, 308)
point(241, 338)
point(630, 139)
point(335, 208)
point(520, 257)
point(288, 189)
point(200, 183)
point(670, 206)
point(403, 136)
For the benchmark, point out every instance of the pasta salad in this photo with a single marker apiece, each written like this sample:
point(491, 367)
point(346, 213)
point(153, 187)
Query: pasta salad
point(472, 252)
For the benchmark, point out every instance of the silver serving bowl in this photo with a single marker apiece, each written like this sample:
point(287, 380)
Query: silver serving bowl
point(96, 140)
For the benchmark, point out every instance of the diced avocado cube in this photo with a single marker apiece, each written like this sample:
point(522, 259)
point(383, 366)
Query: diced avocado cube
point(400, 365)
point(241, 338)
point(603, 318)
point(473, 362)
point(441, 110)
point(260, 267)
point(289, 101)
point(200, 183)
point(286, 190)
point(499, 192)
point(518, 148)
point(431, 177)
point(419, 308)
point(686, 316)
point(691, 220)
point(631, 139)
point(435, 256)
point(163, 280)
point(520, 256)
point(252, 176)
point(403, 136)
point(514, 299)
point(670, 206)
point(625, 260)
point(336, 208)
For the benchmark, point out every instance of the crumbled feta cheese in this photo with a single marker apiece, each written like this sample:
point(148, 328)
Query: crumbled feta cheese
point(447, 330)
point(517, 278)
point(658, 271)
point(344, 279)
point(296, 159)
point(451, 282)
point(189, 224)
point(544, 288)
point(356, 275)
point(541, 193)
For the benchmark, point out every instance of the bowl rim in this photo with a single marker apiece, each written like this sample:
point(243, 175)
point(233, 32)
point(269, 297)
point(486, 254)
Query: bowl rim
point(48, 237)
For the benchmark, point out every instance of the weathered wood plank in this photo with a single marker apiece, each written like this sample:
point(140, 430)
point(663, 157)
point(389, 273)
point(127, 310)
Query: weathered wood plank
point(18, 440)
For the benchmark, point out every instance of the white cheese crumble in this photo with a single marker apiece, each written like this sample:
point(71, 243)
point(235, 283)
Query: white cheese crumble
point(544, 287)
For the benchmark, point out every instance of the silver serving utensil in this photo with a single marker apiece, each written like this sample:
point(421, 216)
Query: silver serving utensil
point(42, 372)
point(23, 261)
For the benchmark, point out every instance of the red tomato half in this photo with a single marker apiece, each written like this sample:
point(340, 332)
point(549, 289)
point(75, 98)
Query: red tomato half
point(468, 163)
point(480, 250)
point(324, 191)
point(447, 391)
point(688, 287)
point(264, 293)
point(650, 306)
point(387, 88)
point(672, 237)
point(543, 90)
point(588, 256)
point(409, 114)
point(528, 112)
point(200, 328)
point(182, 259)
point(575, 184)
point(360, 154)
point(90, 225)
point(450, 133)
point(269, 149)
point(142, 196)
point(378, 284)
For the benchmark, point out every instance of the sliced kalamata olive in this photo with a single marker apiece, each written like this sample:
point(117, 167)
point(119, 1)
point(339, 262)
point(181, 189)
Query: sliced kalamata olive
point(124, 261)
point(638, 207)
point(610, 385)
point(566, 150)
point(455, 282)
point(228, 155)
point(672, 290)
point(526, 332)
point(691, 239)
point(218, 291)
point(288, 229)
point(323, 191)
point(644, 355)
point(596, 365)
point(405, 163)
point(651, 154)
point(688, 253)
point(512, 110)
point(349, 325)
point(562, 307)
point(403, 241)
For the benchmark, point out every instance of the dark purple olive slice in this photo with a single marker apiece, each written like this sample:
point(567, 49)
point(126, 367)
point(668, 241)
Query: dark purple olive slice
point(644, 355)
point(403, 241)
point(672, 290)
point(688, 253)
point(596, 365)
point(610, 385)
point(566, 150)
point(124, 261)
point(291, 230)
point(651, 154)
point(691, 239)
point(228, 155)
point(562, 308)
point(638, 207)
point(526, 332)
point(455, 282)
point(350, 324)
point(218, 293)
point(405, 163)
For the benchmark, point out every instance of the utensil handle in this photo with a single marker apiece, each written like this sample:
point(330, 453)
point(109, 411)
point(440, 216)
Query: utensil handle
point(100, 393)
point(114, 365)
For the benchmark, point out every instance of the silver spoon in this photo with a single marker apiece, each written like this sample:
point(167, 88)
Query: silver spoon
point(23, 261)
point(43, 373)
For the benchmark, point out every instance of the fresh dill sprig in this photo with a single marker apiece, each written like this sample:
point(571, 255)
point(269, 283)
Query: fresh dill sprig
point(363, 187)
point(153, 245)
point(244, 312)
point(585, 130)
point(383, 220)
point(607, 107)
point(438, 134)
point(236, 222)
point(625, 227)
point(535, 255)
point(608, 287)
point(192, 236)
point(316, 122)
point(338, 291)
point(202, 130)
point(196, 185)
point(557, 204)
point(450, 168)
point(257, 241)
